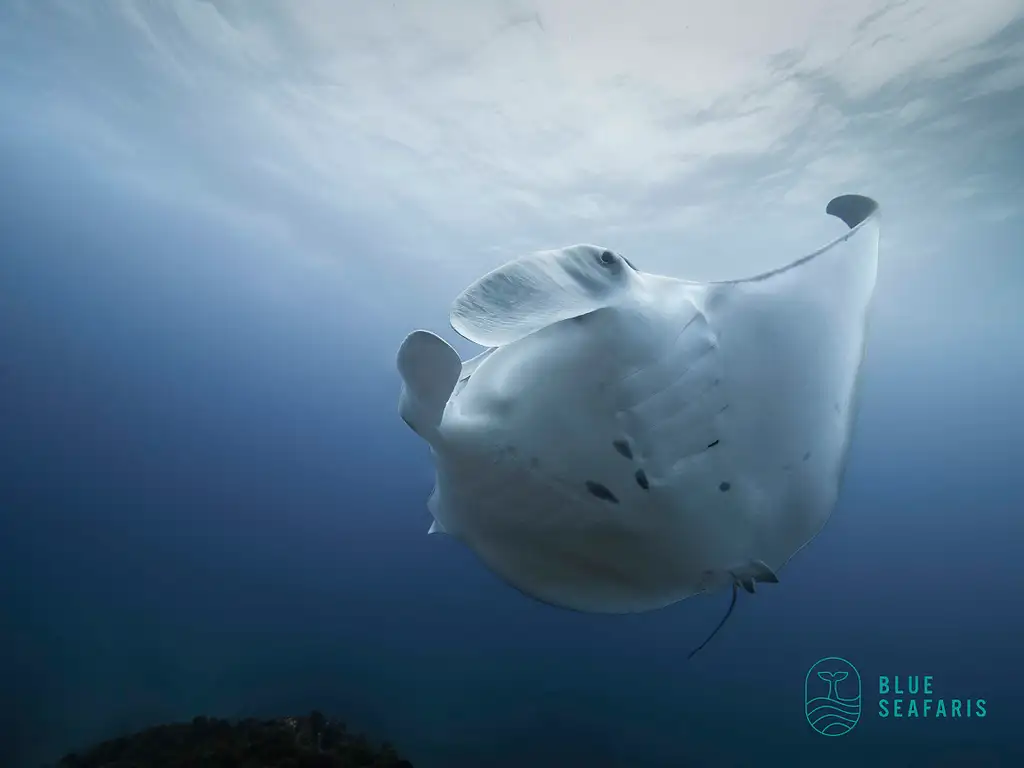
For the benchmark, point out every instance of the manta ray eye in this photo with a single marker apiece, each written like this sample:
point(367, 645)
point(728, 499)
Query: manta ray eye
point(607, 258)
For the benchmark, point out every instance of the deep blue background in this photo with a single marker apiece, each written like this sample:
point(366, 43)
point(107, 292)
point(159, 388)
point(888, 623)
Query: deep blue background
point(209, 505)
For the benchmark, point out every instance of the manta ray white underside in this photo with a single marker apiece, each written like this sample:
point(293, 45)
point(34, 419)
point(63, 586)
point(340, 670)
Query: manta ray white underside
point(628, 440)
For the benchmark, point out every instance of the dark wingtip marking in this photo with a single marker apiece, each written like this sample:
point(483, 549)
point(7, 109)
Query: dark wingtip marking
point(623, 447)
point(601, 491)
point(712, 445)
point(724, 486)
point(852, 209)
point(641, 480)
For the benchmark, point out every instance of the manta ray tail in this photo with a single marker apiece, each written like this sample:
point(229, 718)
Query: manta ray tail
point(720, 624)
point(430, 369)
point(745, 577)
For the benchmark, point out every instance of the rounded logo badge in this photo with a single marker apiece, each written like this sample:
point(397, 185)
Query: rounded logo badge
point(832, 696)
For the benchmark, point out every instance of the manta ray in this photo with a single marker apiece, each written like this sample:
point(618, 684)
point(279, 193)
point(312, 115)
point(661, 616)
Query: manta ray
point(628, 440)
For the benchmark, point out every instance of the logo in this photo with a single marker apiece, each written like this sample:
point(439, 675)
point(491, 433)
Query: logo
point(832, 696)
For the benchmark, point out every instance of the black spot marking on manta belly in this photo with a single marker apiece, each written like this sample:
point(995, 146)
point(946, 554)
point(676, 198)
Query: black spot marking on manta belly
point(601, 491)
point(807, 456)
point(622, 447)
point(641, 480)
point(724, 486)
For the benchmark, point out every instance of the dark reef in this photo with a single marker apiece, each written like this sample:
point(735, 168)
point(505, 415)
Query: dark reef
point(285, 742)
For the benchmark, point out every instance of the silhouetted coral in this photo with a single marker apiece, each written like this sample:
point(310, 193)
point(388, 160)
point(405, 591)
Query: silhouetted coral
point(287, 742)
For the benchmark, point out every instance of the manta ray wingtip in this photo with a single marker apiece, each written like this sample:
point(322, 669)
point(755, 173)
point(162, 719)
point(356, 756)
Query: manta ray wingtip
point(852, 209)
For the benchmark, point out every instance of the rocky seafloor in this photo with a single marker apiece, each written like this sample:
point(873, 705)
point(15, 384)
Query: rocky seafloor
point(312, 741)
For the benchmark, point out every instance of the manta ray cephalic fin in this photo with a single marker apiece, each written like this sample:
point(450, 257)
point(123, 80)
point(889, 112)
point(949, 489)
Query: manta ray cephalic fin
point(430, 369)
point(537, 290)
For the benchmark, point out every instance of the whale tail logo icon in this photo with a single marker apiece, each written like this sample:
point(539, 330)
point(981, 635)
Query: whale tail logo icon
point(832, 696)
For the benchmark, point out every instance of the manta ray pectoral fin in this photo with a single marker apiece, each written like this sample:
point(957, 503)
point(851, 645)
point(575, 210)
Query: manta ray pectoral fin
point(535, 291)
point(745, 576)
point(430, 369)
point(436, 527)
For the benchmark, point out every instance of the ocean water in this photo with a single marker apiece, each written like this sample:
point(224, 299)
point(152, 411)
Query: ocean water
point(219, 220)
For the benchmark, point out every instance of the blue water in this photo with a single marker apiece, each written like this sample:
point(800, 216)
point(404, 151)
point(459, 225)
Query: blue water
point(209, 505)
